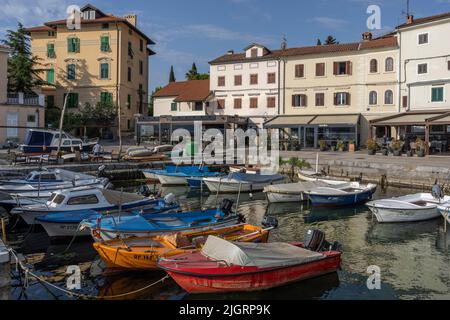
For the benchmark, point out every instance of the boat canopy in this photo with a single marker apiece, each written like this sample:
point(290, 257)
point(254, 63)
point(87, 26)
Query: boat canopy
point(261, 255)
point(117, 197)
point(67, 175)
point(255, 178)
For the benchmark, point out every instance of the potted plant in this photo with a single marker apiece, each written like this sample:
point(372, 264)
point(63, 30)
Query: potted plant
point(385, 152)
point(351, 146)
point(333, 148)
point(323, 145)
point(420, 148)
point(340, 145)
point(396, 146)
point(371, 146)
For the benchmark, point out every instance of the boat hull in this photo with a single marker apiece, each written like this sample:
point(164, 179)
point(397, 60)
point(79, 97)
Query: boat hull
point(233, 187)
point(62, 230)
point(278, 197)
point(237, 281)
point(171, 180)
point(324, 200)
point(386, 215)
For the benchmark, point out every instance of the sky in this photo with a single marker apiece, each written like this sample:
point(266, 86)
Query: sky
point(187, 31)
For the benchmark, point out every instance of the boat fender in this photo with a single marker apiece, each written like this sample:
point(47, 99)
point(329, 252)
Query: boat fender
point(169, 198)
point(269, 222)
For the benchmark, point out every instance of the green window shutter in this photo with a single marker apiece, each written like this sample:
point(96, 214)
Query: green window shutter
point(77, 45)
point(437, 94)
point(129, 101)
point(104, 71)
point(105, 43)
point(51, 76)
point(75, 100)
point(70, 72)
point(173, 106)
point(50, 101)
point(50, 50)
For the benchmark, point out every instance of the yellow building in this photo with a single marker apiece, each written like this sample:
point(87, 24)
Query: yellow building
point(105, 60)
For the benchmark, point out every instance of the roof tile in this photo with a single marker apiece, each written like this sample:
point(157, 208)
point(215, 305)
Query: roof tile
point(186, 91)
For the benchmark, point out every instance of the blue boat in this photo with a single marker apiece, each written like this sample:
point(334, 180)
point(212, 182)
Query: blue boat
point(179, 175)
point(332, 197)
point(109, 228)
point(67, 224)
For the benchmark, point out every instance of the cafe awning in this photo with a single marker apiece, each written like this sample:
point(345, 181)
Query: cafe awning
point(405, 119)
point(288, 121)
point(351, 120)
point(440, 119)
point(313, 120)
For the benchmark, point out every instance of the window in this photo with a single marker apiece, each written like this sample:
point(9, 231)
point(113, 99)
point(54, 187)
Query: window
point(198, 106)
point(51, 50)
point(129, 74)
point(422, 68)
point(51, 76)
point(320, 99)
point(342, 99)
point(173, 106)
point(220, 103)
point(238, 103)
point(70, 72)
point(373, 66)
point(105, 25)
point(342, 68)
point(405, 101)
point(141, 45)
point(271, 77)
point(31, 118)
point(58, 199)
point(254, 65)
point(104, 44)
point(253, 79)
point(129, 124)
point(129, 101)
point(106, 98)
point(50, 101)
point(299, 71)
point(388, 97)
point(271, 102)
point(141, 67)
point(104, 71)
point(72, 100)
point(51, 33)
point(238, 80)
point(221, 81)
point(423, 38)
point(254, 53)
point(130, 50)
point(253, 103)
point(373, 98)
point(389, 65)
point(299, 100)
point(237, 67)
point(437, 94)
point(320, 69)
point(73, 45)
point(90, 199)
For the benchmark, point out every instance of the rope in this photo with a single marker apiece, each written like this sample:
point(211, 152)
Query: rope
point(28, 272)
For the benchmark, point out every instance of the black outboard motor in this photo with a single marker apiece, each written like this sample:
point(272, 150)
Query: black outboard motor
point(270, 222)
point(226, 206)
point(101, 172)
point(145, 191)
point(315, 241)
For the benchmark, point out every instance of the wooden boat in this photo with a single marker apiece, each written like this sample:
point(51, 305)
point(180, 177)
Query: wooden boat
point(142, 253)
point(306, 175)
point(413, 207)
point(354, 194)
point(224, 266)
point(295, 192)
point(243, 182)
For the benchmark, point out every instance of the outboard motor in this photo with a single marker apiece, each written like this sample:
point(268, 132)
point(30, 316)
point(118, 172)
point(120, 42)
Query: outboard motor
point(226, 206)
point(101, 171)
point(170, 198)
point(144, 190)
point(315, 241)
point(270, 222)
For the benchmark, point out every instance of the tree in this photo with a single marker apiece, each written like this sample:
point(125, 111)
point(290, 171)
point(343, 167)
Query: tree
point(294, 163)
point(23, 75)
point(319, 43)
point(194, 75)
point(172, 75)
point(331, 40)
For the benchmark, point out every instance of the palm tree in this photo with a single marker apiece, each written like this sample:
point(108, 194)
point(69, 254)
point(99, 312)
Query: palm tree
point(294, 163)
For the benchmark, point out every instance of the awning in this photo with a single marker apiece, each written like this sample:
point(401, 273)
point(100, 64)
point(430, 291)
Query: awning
point(440, 119)
point(287, 121)
point(405, 119)
point(351, 119)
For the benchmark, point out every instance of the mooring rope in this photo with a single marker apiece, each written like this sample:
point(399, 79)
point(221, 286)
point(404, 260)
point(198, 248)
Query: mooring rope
point(28, 272)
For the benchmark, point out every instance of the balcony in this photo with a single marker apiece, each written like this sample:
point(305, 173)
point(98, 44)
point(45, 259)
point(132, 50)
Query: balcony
point(27, 99)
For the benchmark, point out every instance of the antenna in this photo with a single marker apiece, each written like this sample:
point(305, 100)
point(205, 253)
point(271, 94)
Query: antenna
point(408, 11)
point(284, 43)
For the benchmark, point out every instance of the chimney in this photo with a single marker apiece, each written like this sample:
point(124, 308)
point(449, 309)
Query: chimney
point(367, 36)
point(230, 52)
point(131, 18)
point(409, 19)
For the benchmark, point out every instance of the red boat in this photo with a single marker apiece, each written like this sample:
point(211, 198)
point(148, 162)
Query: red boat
point(224, 266)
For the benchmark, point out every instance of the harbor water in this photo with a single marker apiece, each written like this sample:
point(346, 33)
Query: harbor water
point(413, 258)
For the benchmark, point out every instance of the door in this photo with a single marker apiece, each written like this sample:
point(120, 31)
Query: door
point(12, 121)
point(310, 137)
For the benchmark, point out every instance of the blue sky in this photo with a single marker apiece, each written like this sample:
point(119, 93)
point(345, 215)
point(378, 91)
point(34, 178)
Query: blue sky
point(201, 30)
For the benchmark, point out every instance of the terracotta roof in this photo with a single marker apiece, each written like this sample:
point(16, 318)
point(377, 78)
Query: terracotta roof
point(39, 28)
point(345, 47)
point(425, 20)
point(186, 91)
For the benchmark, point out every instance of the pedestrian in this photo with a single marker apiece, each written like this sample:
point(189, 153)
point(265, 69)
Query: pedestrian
point(97, 149)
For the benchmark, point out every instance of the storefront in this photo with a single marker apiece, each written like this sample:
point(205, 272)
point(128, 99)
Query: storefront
point(309, 131)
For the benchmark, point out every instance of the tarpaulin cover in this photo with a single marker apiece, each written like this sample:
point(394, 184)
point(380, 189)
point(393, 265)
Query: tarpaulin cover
point(255, 178)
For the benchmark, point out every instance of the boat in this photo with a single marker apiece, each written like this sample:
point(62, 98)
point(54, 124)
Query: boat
point(68, 223)
point(142, 253)
point(100, 200)
point(413, 207)
point(245, 169)
point(144, 151)
point(44, 141)
point(243, 182)
point(309, 175)
point(444, 210)
point(229, 266)
point(294, 192)
point(354, 193)
point(109, 228)
point(180, 175)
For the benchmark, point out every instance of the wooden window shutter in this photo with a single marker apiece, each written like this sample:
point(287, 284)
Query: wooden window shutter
point(348, 99)
point(302, 70)
point(348, 67)
point(293, 100)
point(305, 101)
point(405, 102)
point(335, 99)
point(335, 68)
point(448, 65)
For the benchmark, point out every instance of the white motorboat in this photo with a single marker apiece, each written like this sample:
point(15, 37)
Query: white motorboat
point(295, 192)
point(311, 176)
point(243, 182)
point(413, 207)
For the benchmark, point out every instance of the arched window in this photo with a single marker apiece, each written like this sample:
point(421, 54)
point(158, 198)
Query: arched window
point(389, 64)
point(388, 97)
point(373, 98)
point(373, 66)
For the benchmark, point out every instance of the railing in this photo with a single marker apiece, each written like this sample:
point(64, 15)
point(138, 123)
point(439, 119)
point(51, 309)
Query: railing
point(30, 99)
point(12, 98)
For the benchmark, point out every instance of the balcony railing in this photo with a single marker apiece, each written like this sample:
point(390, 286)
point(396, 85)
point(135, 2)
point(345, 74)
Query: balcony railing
point(29, 99)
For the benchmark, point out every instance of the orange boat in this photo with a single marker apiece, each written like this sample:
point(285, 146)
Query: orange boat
point(142, 253)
